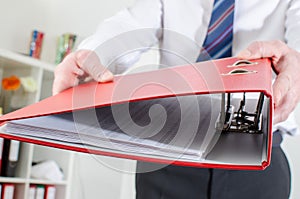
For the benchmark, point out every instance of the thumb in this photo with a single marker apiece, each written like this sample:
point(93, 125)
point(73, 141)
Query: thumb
point(244, 54)
point(106, 76)
point(60, 83)
point(263, 49)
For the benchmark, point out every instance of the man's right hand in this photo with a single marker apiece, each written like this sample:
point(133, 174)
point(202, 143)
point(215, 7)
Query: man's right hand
point(79, 66)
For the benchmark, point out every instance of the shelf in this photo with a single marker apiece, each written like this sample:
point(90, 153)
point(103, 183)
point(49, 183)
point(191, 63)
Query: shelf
point(13, 180)
point(35, 181)
point(12, 63)
point(12, 59)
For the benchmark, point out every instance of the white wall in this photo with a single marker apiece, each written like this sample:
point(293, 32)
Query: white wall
point(55, 17)
point(18, 18)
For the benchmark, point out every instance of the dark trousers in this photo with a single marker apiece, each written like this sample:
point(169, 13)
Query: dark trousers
point(175, 182)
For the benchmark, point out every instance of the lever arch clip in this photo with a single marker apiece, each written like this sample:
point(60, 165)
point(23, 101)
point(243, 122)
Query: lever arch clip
point(240, 121)
point(242, 63)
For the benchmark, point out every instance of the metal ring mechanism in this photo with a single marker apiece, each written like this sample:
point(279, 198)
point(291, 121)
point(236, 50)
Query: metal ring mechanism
point(240, 121)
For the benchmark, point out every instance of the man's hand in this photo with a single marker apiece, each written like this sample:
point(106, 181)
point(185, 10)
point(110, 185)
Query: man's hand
point(78, 66)
point(286, 62)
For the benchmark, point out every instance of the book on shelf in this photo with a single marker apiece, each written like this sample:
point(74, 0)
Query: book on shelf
point(219, 115)
point(36, 43)
point(32, 191)
point(1, 152)
point(65, 45)
point(7, 191)
point(50, 191)
point(40, 192)
point(10, 157)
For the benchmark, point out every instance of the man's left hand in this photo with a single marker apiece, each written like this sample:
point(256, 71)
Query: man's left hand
point(286, 62)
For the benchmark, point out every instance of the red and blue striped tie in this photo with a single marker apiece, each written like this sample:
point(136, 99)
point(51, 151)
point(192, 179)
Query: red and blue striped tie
point(218, 41)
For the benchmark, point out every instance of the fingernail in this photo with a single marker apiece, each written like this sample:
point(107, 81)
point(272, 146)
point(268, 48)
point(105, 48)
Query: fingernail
point(106, 76)
point(78, 71)
point(244, 54)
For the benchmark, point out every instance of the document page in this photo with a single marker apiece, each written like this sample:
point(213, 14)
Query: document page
point(175, 127)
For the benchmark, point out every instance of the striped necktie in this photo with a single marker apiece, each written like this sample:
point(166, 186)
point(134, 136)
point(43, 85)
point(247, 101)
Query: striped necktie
point(218, 41)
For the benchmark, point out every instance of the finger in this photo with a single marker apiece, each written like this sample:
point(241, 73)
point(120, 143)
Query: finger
point(69, 65)
point(90, 63)
point(66, 74)
point(281, 87)
point(287, 105)
point(263, 49)
point(77, 71)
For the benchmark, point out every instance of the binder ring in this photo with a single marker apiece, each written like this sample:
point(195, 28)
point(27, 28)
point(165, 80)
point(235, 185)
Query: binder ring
point(240, 71)
point(242, 62)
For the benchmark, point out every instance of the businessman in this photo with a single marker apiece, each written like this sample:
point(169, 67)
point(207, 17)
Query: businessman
point(196, 30)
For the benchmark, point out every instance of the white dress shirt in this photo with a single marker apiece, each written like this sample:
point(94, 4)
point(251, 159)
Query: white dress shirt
point(179, 28)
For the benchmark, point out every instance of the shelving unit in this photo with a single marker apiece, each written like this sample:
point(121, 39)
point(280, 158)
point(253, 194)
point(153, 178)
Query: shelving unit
point(20, 65)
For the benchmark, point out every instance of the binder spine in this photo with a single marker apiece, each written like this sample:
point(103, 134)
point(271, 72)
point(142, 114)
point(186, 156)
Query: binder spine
point(8, 191)
point(10, 157)
point(50, 191)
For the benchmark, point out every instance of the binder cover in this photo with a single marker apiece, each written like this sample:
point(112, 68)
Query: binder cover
point(199, 79)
